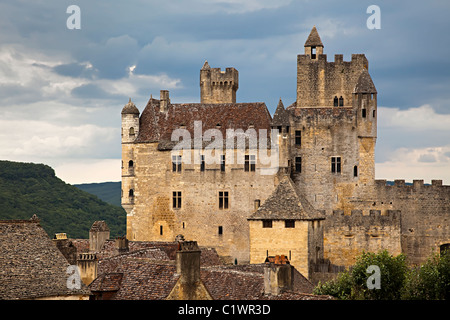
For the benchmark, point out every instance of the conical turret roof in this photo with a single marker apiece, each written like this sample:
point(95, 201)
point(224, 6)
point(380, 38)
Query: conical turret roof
point(313, 39)
point(365, 83)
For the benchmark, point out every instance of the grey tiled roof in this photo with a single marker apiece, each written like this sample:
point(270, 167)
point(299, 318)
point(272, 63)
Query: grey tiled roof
point(313, 39)
point(286, 202)
point(31, 266)
point(281, 116)
point(365, 83)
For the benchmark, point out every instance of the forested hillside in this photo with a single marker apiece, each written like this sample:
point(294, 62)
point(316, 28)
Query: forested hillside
point(107, 191)
point(27, 189)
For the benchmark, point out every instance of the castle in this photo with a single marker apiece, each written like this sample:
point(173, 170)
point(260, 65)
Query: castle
point(320, 208)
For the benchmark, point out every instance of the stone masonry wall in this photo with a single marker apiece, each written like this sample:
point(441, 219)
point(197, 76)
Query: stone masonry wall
point(425, 215)
point(199, 217)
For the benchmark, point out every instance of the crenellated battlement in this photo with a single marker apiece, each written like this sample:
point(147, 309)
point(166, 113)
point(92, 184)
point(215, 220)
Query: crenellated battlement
point(416, 184)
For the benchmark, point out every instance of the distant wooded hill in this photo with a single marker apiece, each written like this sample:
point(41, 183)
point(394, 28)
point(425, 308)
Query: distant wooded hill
point(27, 189)
point(107, 191)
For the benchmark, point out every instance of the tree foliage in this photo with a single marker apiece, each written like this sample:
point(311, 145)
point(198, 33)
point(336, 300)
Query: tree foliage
point(27, 189)
point(397, 280)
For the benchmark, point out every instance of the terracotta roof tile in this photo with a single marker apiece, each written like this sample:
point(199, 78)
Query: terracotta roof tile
point(156, 126)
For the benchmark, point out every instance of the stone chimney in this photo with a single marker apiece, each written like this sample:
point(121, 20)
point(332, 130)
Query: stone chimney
point(66, 247)
point(122, 244)
point(87, 264)
point(164, 100)
point(278, 276)
point(188, 262)
point(189, 285)
point(98, 234)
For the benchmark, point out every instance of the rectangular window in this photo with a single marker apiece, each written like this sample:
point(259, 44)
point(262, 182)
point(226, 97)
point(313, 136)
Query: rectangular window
point(298, 164)
point(161, 230)
point(363, 113)
point(220, 230)
point(267, 223)
point(250, 163)
point(298, 138)
point(222, 163)
point(202, 163)
point(335, 164)
point(289, 223)
point(223, 199)
point(176, 163)
point(176, 199)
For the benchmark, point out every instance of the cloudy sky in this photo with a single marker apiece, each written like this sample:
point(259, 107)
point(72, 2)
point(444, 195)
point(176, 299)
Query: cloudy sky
point(62, 90)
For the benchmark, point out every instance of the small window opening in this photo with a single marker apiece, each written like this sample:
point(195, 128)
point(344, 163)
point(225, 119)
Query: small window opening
point(341, 102)
point(298, 138)
point(223, 199)
point(130, 164)
point(220, 230)
point(313, 52)
point(176, 199)
point(202, 163)
point(336, 101)
point(161, 230)
point(289, 223)
point(267, 223)
point(250, 163)
point(363, 113)
point(355, 171)
point(131, 131)
point(373, 113)
point(176, 163)
point(222, 163)
point(298, 164)
point(257, 204)
point(335, 164)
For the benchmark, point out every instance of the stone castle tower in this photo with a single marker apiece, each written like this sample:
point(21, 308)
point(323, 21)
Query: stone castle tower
point(322, 206)
point(218, 86)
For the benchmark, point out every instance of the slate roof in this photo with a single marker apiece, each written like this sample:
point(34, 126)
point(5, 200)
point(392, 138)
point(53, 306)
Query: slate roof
point(156, 126)
point(286, 202)
point(314, 39)
point(365, 83)
point(281, 116)
point(31, 266)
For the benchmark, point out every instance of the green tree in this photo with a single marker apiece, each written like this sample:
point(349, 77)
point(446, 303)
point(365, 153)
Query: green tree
point(353, 284)
point(431, 281)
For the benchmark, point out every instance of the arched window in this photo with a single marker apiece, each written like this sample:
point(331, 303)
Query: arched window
point(131, 131)
point(341, 102)
point(336, 101)
point(130, 164)
point(131, 193)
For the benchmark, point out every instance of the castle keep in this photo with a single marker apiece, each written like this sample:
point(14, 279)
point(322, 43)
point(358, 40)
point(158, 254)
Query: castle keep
point(322, 206)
